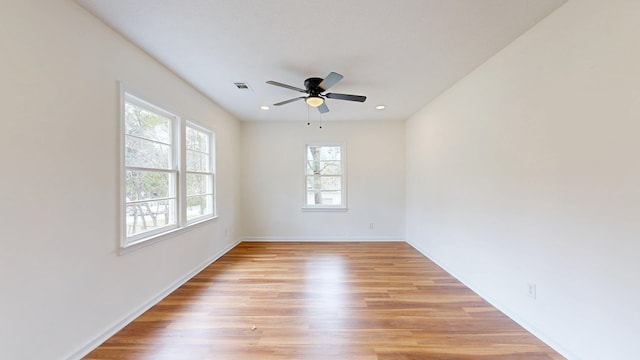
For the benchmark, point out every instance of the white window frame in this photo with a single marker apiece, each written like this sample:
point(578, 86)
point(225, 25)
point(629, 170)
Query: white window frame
point(212, 172)
point(343, 179)
point(177, 167)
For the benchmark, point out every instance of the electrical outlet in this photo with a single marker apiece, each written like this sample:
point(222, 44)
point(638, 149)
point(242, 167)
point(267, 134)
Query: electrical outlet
point(371, 226)
point(531, 290)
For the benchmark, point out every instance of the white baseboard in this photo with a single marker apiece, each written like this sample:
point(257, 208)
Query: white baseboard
point(112, 330)
point(505, 310)
point(319, 239)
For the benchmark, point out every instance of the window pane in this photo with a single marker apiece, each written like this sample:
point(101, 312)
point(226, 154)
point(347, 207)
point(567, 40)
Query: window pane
point(324, 167)
point(331, 168)
point(198, 184)
point(313, 183)
point(330, 153)
point(331, 183)
point(146, 124)
point(324, 183)
point(323, 153)
point(199, 205)
point(149, 185)
point(197, 140)
point(197, 161)
point(145, 153)
point(324, 197)
point(151, 215)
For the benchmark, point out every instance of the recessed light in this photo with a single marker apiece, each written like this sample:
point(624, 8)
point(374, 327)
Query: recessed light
point(380, 107)
point(264, 107)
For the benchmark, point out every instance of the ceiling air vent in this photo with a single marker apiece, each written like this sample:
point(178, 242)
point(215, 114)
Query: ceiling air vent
point(242, 85)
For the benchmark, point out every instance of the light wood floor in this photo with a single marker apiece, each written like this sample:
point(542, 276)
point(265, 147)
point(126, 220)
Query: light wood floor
point(323, 301)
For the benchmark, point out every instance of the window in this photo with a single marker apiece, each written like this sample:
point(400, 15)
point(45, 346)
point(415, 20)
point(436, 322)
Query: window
point(199, 173)
point(157, 150)
point(325, 177)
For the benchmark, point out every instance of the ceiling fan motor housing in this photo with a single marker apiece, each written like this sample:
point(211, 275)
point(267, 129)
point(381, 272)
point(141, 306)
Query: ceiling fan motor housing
point(312, 85)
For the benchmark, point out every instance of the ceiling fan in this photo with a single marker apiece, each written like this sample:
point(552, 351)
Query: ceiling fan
point(314, 88)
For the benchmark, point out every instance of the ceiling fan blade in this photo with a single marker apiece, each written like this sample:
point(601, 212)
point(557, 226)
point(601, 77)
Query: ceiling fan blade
point(358, 98)
point(286, 86)
point(323, 108)
point(289, 101)
point(330, 80)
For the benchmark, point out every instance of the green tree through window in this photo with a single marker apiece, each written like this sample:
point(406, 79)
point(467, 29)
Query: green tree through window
point(152, 185)
point(324, 176)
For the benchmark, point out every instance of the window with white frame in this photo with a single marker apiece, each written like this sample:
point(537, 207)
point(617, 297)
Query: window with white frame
point(325, 177)
point(199, 168)
point(167, 172)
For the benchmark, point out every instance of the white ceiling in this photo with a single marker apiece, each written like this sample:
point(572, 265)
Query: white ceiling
point(399, 53)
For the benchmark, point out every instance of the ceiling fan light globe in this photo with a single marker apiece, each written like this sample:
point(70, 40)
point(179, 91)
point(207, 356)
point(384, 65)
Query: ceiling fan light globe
point(314, 101)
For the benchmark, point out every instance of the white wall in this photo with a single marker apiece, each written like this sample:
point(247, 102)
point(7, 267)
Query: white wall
point(525, 171)
point(528, 170)
point(273, 181)
point(63, 283)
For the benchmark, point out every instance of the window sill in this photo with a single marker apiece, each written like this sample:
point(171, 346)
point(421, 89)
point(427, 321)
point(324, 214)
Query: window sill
point(139, 244)
point(324, 209)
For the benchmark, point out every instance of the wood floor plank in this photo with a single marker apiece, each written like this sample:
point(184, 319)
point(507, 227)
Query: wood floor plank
point(359, 301)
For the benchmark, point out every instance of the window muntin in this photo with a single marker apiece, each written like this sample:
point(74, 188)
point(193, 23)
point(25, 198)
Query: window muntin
point(324, 173)
point(157, 149)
